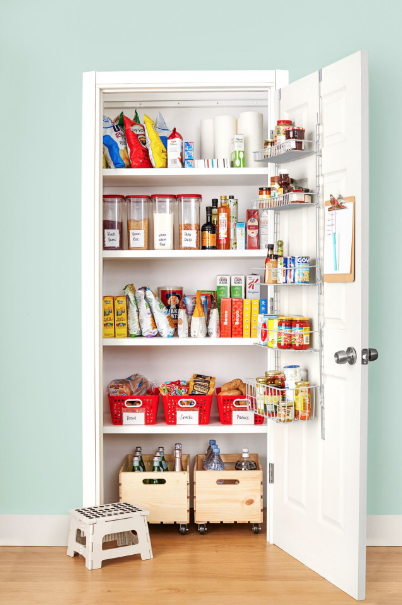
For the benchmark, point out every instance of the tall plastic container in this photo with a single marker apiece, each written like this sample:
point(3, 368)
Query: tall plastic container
point(164, 208)
point(189, 221)
point(139, 213)
point(113, 222)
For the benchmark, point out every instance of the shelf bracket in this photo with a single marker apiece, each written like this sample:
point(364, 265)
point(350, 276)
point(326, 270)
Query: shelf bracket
point(271, 472)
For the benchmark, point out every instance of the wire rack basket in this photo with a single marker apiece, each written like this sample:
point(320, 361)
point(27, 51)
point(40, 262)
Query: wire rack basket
point(294, 404)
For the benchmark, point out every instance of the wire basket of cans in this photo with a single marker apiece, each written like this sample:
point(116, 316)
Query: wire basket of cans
point(269, 397)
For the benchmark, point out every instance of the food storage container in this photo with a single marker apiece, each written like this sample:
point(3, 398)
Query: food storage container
point(233, 409)
point(113, 222)
point(138, 222)
point(280, 128)
point(164, 220)
point(133, 409)
point(189, 221)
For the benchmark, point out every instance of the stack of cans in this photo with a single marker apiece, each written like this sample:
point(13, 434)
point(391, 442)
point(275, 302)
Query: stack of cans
point(293, 270)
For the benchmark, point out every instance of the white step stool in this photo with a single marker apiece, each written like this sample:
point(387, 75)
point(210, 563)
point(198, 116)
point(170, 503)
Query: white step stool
point(91, 527)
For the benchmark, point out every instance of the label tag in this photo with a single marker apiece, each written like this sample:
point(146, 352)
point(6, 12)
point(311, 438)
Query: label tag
point(187, 417)
point(133, 418)
point(137, 238)
point(112, 238)
point(242, 417)
point(164, 240)
point(189, 238)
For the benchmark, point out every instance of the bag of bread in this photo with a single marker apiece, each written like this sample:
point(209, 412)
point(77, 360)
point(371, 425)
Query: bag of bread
point(147, 322)
point(120, 386)
point(198, 320)
point(164, 322)
point(182, 320)
point(214, 325)
point(133, 320)
point(233, 384)
point(156, 149)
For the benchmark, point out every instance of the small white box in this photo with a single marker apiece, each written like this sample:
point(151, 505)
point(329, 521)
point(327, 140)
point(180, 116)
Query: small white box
point(237, 151)
point(253, 286)
point(175, 153)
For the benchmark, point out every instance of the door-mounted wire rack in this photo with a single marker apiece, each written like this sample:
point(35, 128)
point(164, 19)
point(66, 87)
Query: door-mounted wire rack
point(288, 151)
point(296, 403)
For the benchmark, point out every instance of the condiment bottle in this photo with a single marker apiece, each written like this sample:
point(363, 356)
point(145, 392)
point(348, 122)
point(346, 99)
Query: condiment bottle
point(224, 224)
point(215, 212)
point(279, 247)
point(271, 265)
point(208, 232)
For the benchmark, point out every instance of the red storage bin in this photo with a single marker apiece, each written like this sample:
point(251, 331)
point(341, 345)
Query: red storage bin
point(173, 404)
point(229, 403)
point(140, 409)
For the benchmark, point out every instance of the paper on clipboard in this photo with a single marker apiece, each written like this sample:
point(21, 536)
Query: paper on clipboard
point(338, 240)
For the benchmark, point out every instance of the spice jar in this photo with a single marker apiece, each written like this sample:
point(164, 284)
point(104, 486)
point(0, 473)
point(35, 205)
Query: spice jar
point(301, 333)
point(280, 127)
point(274, 191)
point(285, 332)
point(164, 218)
point(113, 222)
point(189, 221)
point(303, 400)
point(296, 135)
point(138, 222)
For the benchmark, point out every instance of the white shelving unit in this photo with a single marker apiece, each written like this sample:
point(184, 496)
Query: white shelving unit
point(183, 254)
point(187, 177)
point(161, 428)
point(158, 341)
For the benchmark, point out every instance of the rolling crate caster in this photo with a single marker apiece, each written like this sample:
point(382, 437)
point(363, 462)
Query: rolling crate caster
point(183, 529)
point(256, 528)
point(202, 528)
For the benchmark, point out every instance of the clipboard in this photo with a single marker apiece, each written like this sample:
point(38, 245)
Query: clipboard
point(344, 277)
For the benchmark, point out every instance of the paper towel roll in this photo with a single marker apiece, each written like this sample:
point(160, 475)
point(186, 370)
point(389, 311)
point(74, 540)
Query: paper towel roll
point(250, 123)
point(207, 139)
point(224, 130)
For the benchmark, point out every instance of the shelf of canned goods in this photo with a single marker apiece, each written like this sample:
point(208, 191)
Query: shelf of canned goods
point(281, 404)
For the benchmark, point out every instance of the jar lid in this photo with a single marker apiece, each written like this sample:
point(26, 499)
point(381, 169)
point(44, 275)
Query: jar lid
point(290, 367)
point(297, 191)
point(262, 380)
point(139, 197)
point(297, 128)
point(284, 122)
point(106, 197)
point(168, 195)
point(284, 171)
point(189, 195)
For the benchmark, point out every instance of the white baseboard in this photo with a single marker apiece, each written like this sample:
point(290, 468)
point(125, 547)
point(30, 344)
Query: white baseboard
point(52, 530)
point(384, 530)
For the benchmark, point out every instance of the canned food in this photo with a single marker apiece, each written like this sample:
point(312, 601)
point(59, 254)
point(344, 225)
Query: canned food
point(286, 413)
point(292, 373)
point(303, 400)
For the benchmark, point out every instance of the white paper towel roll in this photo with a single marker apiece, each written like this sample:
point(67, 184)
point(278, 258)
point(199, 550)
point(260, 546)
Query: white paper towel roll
point(224, 130)
point(250, 123)
point(207, 139)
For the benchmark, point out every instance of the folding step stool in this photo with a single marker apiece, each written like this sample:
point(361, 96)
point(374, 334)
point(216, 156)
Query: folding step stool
point(91, 527)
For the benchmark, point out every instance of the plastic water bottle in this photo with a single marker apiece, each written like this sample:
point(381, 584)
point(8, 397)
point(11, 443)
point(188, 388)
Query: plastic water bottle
point(244, 463)
point(209, 457)
point(207, 453)
point(215, 463)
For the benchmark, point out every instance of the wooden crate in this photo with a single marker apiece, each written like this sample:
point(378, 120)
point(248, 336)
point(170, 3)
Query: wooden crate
point(239, 499)
point(168, 502)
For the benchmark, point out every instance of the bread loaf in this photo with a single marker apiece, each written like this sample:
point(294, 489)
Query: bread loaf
point(233, 384)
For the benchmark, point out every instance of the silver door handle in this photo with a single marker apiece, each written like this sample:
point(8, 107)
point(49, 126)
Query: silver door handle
point(369, 355)
point(348, 356)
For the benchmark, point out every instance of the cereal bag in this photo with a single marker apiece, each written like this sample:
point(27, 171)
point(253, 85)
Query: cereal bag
point(133, 319)
point(137, 144)
point(164, 322)
point(147, 322)
point(157, 151)
point(114, 145)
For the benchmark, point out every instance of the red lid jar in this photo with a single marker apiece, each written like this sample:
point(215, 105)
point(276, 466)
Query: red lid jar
point(295, 134)
point(280, 128)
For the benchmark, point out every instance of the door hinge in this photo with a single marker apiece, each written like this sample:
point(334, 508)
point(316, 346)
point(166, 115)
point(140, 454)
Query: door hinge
point(279, 94)
point(270, 472)
point(320, 75)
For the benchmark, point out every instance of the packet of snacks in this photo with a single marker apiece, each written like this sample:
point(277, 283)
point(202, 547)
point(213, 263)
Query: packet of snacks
point(182, 320)
point(164, 322)
point(147, 322)
point(133, 320)
point(202, 385)
point(114, 145)
point(198, 320)
point(176, 387)
point(214, 325)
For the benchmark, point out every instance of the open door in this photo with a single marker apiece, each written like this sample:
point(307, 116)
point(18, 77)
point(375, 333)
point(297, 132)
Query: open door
point(319, 494)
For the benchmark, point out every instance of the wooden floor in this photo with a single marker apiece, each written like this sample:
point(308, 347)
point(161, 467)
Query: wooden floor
point(229, 565)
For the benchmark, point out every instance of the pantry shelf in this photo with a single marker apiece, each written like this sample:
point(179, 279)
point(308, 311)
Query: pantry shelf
point(171, 177)
point(160, 427)
point(182, 254)
point(158, 341)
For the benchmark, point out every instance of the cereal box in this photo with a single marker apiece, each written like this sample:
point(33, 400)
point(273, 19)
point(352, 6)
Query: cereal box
point(222, 289)
point(120, 316)
point(237, 283)
point(255, 309)
point(246, 318)
point(108, 317)
point(253, 286)
point(237, 318)
point(226, 318)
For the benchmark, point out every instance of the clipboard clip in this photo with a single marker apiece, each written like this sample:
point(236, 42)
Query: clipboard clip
point(336, 203)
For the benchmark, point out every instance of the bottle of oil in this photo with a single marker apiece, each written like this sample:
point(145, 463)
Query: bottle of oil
point(208, 232)
point(224, 224)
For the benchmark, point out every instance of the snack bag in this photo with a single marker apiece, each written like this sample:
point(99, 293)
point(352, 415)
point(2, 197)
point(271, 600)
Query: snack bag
point(120, 120)
point(182, 321)
point(133, 319)
point(114, 145)
point(137, 144)
point(202, 385)
point(214, 325)
point(198, 321)
point(164, 322)
point(189, 301)
point(177, 387)
point(156, 149)
point(104, 162)
point(147, 322)
point(162, 129)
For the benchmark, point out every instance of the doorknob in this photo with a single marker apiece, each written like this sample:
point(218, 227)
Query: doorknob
point(349, 356)
point(369, 355)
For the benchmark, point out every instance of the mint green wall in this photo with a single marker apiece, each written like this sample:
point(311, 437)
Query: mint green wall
point(45, 47)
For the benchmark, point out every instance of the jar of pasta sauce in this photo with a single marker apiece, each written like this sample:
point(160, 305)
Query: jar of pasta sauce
point(303, 400)
point(301, 333)
point(285, 326)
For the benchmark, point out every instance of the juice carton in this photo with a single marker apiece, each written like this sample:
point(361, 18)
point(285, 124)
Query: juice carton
point(237, 318)
point(237, 151)
point(108, 317)
point(226, 318)
point(246, 318)
point(255, 310)
point(237, 284)
point(263, 305)
point(253, 286)
point(222, 289)
point(120, 315)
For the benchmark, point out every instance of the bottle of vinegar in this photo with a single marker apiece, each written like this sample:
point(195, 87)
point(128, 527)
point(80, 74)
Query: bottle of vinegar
point(224, 224)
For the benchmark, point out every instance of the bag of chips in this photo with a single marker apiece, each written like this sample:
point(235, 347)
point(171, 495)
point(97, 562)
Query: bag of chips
point(164, 322)
point(162, 129)
point(137, 144)
point(156, 149)
point(133, 319)
point(114, 145)
point(214, 326)
point(147, 322)
point(120, 120)
point(182, 320)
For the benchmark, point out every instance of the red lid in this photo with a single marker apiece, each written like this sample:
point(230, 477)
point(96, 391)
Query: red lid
point(169, 195)
point(284, 122)
point(141, 197)
point(113, 196)
point(293, 190)
point(297, 128)
point(190, 195)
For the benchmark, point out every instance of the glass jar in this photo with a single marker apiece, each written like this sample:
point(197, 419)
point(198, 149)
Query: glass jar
point(303, 400)
point(284, 332)
point(296, 135)
point(164, 219)
point(138, 222)
point(273, 394)
point(274, 191)
point(113, 222)
point(189, 221)
point(301, 333)
point(261, 395)
point(280, 127)
point(224, 224)
point(284, 181)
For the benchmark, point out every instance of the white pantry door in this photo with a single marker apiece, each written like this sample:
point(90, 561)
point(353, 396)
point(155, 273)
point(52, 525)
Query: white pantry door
point(319, 494)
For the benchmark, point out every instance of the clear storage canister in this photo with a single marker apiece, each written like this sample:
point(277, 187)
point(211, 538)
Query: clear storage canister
point(164, 219)
point(189, 221)
point(113, 222)
point(138, 222)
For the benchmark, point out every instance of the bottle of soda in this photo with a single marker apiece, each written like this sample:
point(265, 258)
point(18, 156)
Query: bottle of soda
point(138, 452)
point(244, 463)
point(156, 469)
point(136, 465)
point(178, 465)
point(162, 455)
